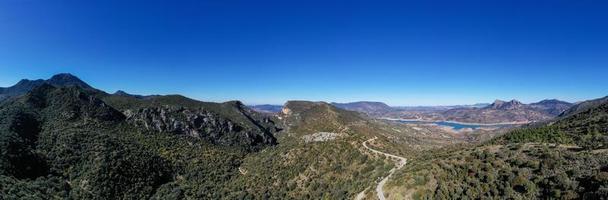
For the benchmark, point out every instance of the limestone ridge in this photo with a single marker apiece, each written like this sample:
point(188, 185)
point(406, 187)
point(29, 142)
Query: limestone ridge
point(199, 123)
point(502, 105)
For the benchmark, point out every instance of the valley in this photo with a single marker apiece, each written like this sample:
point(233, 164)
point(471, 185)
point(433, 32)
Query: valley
point(303, 100)
point(62, 138)
point(458, 126)
point(498, 112)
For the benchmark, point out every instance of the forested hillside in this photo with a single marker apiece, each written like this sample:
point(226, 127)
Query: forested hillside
point(565, 159)
point(74, 143)
point(69, 142)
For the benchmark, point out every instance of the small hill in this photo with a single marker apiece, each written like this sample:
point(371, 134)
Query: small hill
point(305, 117)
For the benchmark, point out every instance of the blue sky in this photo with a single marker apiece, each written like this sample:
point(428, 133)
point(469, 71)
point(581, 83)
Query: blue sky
point(402, 53)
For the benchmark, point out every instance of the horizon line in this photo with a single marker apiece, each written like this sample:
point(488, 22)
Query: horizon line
point(254, 103)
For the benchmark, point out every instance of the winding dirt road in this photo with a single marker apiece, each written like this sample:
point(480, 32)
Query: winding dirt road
point(400, 164)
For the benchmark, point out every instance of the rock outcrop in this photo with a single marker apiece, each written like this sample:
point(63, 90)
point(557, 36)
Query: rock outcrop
point(202, 124)
point(503, 105)
point(322, 137)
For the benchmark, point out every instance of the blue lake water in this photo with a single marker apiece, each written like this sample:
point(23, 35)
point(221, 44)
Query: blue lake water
point(455, 126)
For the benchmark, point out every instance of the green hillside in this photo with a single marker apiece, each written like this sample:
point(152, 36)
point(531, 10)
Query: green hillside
point(71, 143)
point(565, 159)
point(586, 128)
point(68, 142)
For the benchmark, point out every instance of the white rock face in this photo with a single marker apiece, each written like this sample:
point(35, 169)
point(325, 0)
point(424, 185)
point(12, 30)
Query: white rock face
point(321, 137)
point(286, 111)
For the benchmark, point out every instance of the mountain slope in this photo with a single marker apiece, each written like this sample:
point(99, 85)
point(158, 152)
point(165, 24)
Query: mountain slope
point(229, 123)
point(78, 143)
point(64, 142)
point(564, 159)
point(61, 142)
point(583, 106)
point(585, 128)
point(319, 155)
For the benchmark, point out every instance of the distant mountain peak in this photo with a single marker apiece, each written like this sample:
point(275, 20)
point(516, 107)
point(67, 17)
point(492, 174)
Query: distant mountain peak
point(497, 104)
point(551, 101)
point(26, 85)
point(368, 107)
point(67, 79)
point(64, 75)
point(121, 93)
point(513, 101)
point(29, 83)
point(498, 101)
point(503, 105)
point(25, 81)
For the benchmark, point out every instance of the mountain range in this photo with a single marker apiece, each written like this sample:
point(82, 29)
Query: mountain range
point(498, 112)
point(562, 159)
point(511, 111)
point(63, 139)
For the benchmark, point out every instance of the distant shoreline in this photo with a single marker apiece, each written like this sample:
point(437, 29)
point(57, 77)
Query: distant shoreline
point(456, 122)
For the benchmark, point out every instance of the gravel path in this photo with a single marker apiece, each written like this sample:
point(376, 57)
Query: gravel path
point(379, 191)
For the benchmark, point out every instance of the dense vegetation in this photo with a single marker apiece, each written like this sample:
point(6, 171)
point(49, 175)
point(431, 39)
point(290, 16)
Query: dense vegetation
point(514, 171)
point(333, 169)
point(65, 143)
point(72, 143)
point(56, 140)
point(308, 117)
point(330, 170)
point(564, 159)
point(587, 129)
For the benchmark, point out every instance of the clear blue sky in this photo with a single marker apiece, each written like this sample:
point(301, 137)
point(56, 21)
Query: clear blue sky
point(402, 53)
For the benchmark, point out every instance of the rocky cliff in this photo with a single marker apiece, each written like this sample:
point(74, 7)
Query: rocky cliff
point(202, 124)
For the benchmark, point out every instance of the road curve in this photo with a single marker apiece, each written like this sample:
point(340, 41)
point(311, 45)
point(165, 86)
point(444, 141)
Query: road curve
point(400, 164)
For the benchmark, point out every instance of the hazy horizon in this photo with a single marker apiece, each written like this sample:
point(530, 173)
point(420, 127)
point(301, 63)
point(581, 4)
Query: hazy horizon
point(281, 103)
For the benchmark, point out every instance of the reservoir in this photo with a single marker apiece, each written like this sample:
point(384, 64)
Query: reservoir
point(453, 125)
